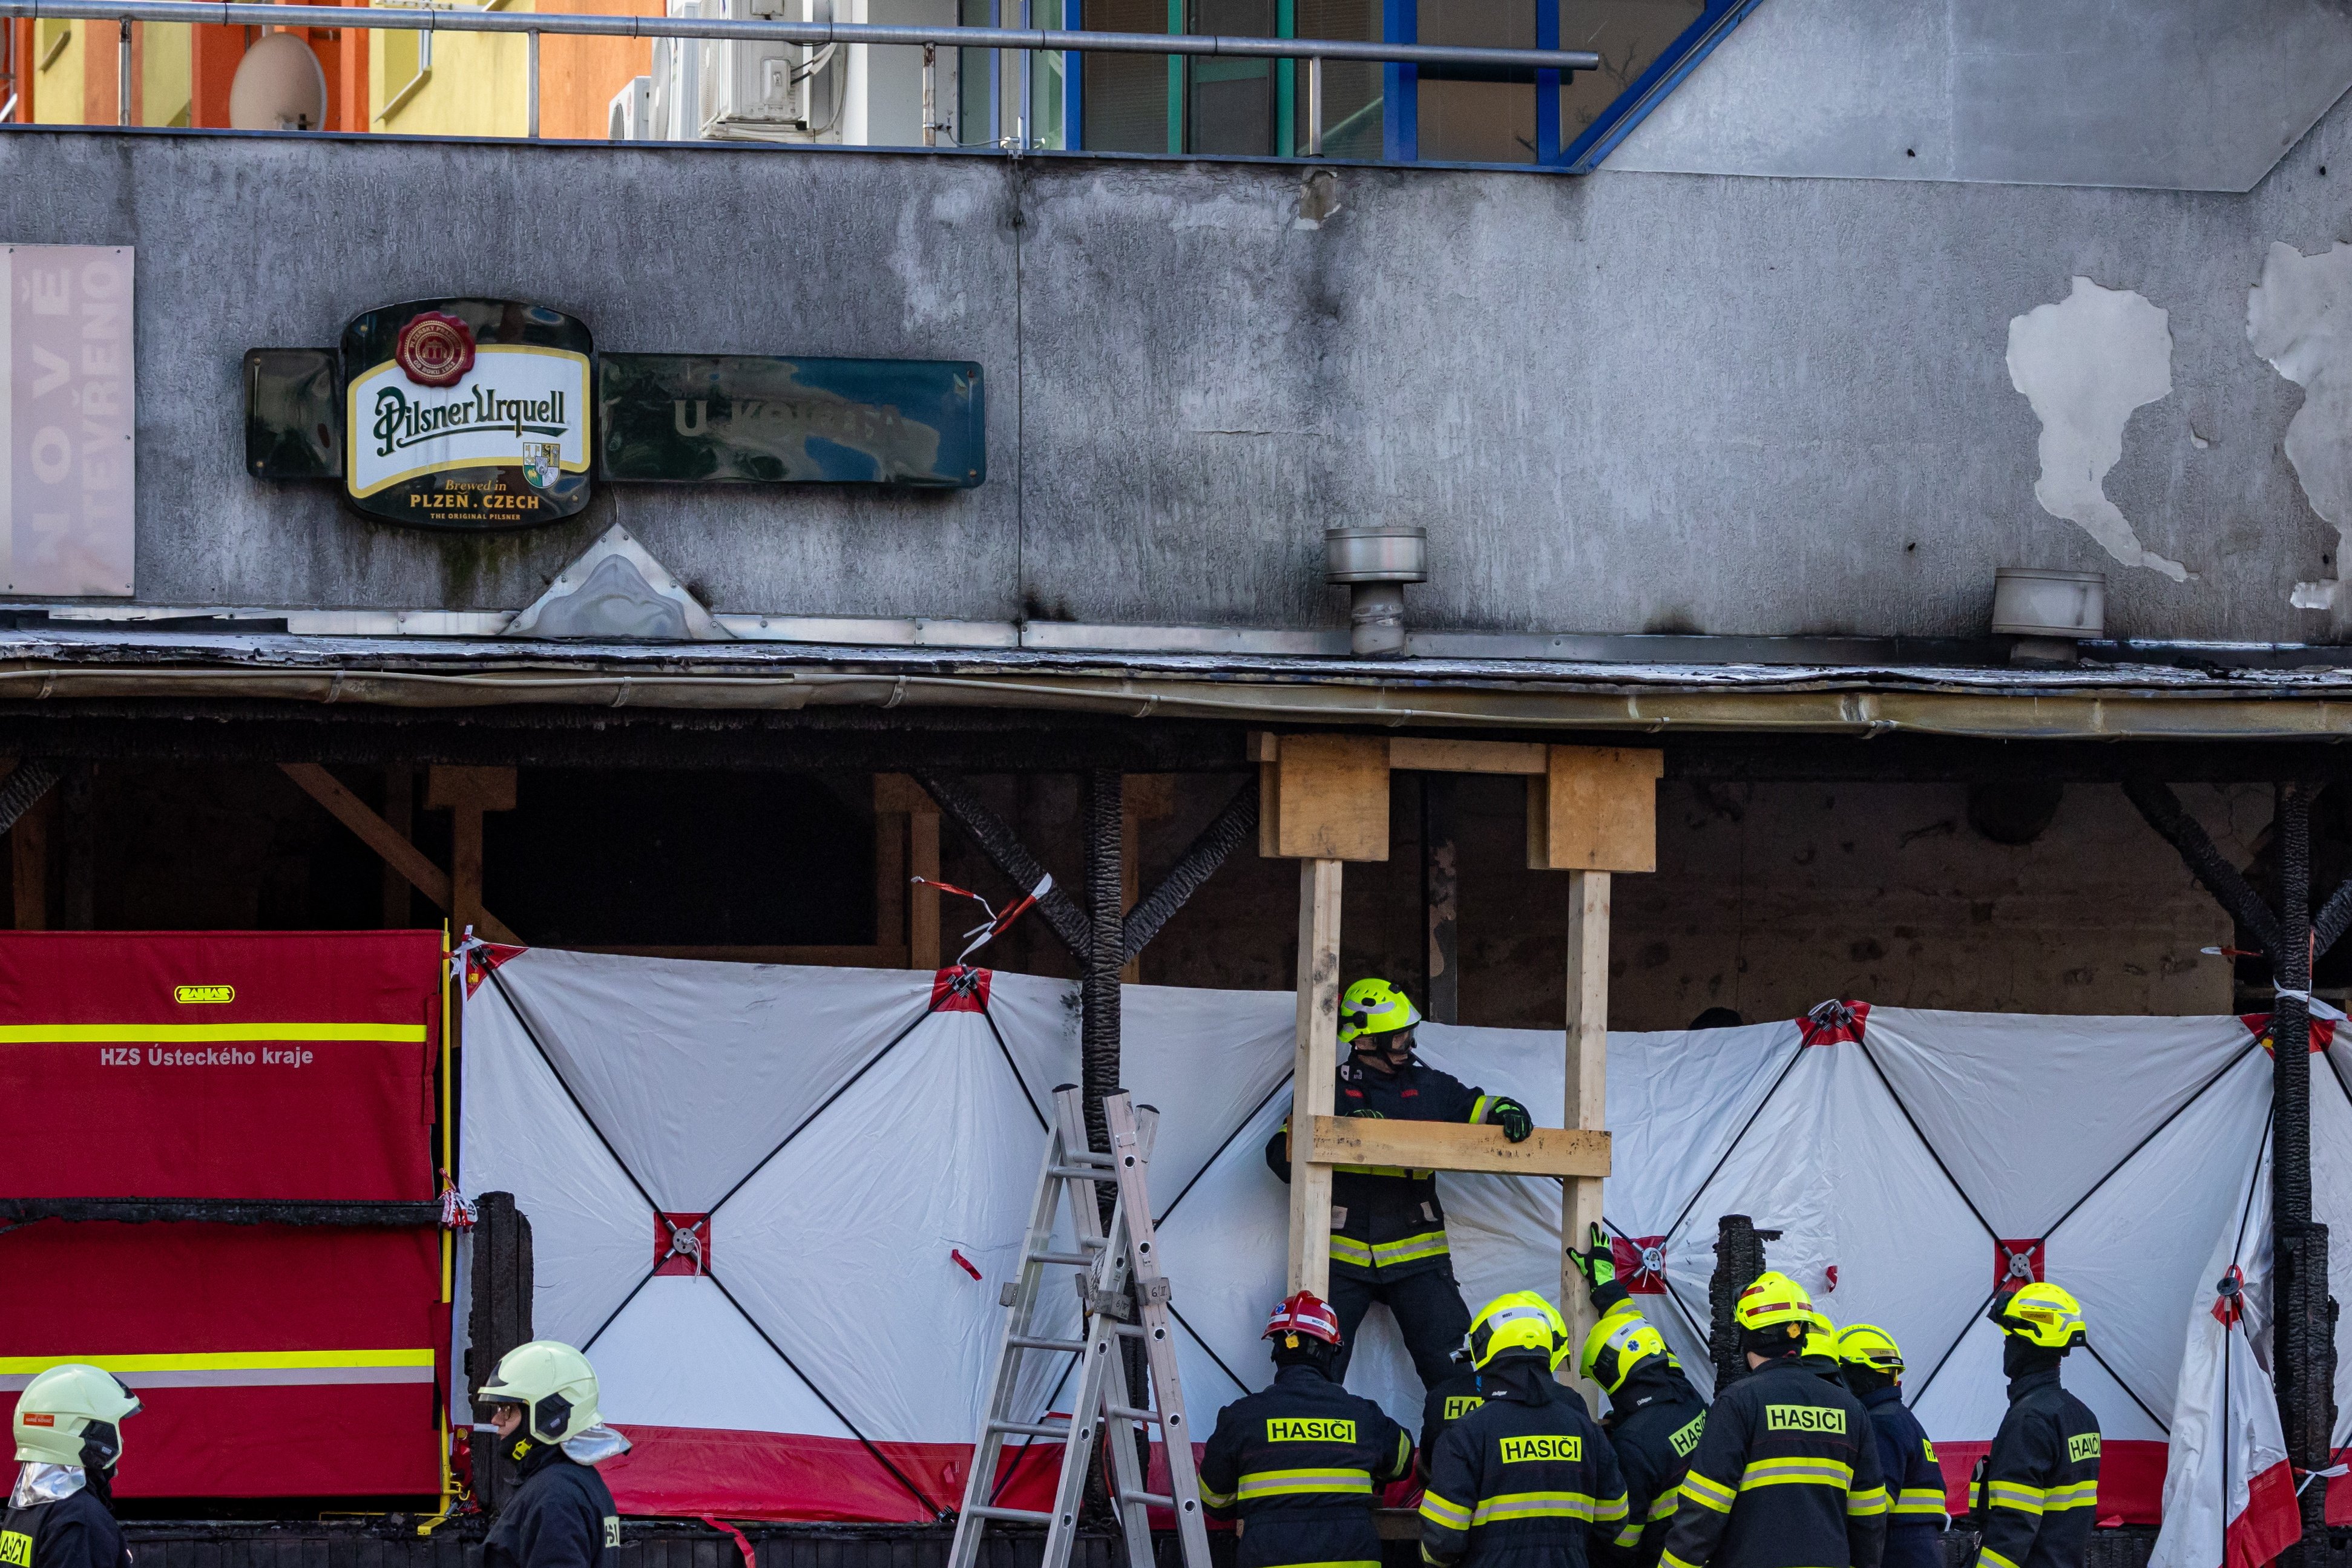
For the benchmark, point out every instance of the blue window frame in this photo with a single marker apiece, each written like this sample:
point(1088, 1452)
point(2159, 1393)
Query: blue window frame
point(1400, 102)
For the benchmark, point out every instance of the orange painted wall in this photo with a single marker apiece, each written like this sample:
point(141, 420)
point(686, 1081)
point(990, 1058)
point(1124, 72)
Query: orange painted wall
point(579, 76)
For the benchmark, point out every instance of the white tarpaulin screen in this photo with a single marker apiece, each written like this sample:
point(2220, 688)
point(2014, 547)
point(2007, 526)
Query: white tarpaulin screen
point(775, 1205)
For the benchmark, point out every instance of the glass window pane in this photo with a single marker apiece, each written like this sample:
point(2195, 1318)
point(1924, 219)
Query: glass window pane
point(1127, 95)
point(1477, 122)
point(1629, 35)
point(1352, 88)
point(1231, 101)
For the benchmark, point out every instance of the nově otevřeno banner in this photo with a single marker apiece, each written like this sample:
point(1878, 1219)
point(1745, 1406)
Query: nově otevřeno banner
point(69, 410)
point(855, 1151)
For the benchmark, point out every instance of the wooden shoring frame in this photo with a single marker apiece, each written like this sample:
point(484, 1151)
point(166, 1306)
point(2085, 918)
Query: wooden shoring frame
point(1592, 812)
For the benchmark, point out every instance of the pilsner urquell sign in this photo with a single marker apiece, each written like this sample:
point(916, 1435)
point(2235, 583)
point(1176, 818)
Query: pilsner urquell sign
point(494, 414)
point(468, 413)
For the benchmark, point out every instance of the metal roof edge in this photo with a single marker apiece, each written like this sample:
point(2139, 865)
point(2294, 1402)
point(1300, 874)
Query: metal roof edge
point(2110, 701)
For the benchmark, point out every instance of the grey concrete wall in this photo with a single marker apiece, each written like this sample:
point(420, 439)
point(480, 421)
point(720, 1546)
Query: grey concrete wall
point(2191, 95)
point(1624, 402)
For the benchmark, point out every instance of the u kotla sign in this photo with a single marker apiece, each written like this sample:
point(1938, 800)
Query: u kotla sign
point(471, 413)
point(68, 466)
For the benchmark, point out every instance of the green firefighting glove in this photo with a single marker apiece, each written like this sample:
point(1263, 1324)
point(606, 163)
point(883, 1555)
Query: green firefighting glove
point(1598, 1261)
point(1512, 1117)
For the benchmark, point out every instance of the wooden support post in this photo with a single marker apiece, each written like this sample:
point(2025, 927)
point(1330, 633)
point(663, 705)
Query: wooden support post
point(465, 793)
point(905, 815)
point(79, 795)
point(1441, 900)
point(1587, 1099)
point(399, 815)
point(380, 836)
point(29, 864)
point(1315, 1080)
point(1149, 797)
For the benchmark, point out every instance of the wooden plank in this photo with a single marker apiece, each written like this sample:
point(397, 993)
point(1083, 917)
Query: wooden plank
point(1458, 1146)
point(399, 813)
point(1316, 1068)
point(889, 879)
point(1587, 1098)
point(1143, 798)
point(1426, 756)
point(1330, 800)
point(1261, 746)
point(483, 788)
point(465, 793)
point(923, 903)
point(28, 858)
point(897, 792)
point(1595, 809)
point(379, 835)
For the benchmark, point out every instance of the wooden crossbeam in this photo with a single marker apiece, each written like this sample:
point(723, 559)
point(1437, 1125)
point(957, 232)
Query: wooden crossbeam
point(387, 842)
point(1457, 1146)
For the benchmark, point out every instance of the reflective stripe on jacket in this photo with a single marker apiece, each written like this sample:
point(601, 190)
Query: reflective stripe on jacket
point(1915, 1482)
point(2040, 1495)
point(1525, 1481)
point(1786, 1476)
point(1301, 1463)
point(1385, 1220)
point(1655, 1423)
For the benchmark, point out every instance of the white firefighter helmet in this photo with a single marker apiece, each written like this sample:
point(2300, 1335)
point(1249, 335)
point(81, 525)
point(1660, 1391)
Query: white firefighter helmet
point(73, 1414)
point(553, 1384)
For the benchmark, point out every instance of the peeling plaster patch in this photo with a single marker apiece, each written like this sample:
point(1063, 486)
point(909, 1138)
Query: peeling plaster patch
point(2299, 318)
point(2085, 364)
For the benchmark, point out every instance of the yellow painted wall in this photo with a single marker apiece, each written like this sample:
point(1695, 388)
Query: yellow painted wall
point(474, 86)
point(163, 73)
point(58, 97)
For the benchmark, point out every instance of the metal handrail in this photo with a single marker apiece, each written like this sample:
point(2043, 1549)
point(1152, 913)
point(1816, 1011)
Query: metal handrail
point(230, 13)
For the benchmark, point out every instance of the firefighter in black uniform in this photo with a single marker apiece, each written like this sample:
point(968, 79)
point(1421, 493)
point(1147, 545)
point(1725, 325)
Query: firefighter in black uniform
point(1656, 1418)
point(1301, 1463)
point(1872, 1364)
point(1786, 1473)
point(543, 1400)
point(2040, 1491)
point(1448, 1402)
point(1388, 1233)
point(1526, 1481)
point(69, 1426)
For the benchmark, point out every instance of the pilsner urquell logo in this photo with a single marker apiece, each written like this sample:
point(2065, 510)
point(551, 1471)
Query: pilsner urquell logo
point(435, 349)
point(400, 423)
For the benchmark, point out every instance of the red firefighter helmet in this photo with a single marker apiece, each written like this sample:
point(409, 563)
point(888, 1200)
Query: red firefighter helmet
point(1304, 1314)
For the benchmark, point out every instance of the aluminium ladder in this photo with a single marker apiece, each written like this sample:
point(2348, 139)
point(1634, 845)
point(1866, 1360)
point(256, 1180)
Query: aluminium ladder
point(1108, 1263)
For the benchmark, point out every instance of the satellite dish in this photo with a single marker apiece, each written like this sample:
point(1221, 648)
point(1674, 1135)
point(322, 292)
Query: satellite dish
point(278, 87)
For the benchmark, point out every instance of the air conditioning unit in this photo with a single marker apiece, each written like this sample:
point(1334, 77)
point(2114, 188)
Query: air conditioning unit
point(737, 89)
point(629, 116)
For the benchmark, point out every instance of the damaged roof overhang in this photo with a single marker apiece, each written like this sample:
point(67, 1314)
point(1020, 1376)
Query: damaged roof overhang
point(2108, 702)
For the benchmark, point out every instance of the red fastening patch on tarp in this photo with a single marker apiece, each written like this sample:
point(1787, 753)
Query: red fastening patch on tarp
point(2321, 1034)
point(2229, 1297)
point(742, 1543)
point(481, 957)
point(2017, 1264)
point(956, 989)
point(681, 1243)
point(955, 1256)
point(1640, 1263)
point(1835, 1023)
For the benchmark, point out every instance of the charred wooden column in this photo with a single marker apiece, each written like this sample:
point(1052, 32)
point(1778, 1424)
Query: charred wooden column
point(1098, 991)
point(1739, 1259)
point(2301, 1337)
point(498, 1320)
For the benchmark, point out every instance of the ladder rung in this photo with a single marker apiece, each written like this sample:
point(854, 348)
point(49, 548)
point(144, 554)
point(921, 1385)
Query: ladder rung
point(1129, 1413)
point(1029, 1342)
point(1030, 1428)
point(1088, 1157)
point(1154, 1499)
point(1132, 1331)
point(1014, 1515)
point(1083, 1172)
point(1077, 1260)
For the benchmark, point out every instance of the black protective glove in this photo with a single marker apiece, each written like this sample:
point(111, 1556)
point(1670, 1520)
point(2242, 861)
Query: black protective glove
point(1512, 1117)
